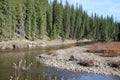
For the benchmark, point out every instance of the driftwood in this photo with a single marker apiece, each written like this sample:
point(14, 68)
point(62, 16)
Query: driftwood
point(114, 64)
point(86, 63)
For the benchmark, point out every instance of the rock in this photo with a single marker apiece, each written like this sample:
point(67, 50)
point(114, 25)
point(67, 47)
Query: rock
point(72, 58)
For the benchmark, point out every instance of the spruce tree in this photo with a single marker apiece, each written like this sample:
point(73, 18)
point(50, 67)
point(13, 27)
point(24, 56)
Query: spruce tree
point(66, 21)
point(86, 25)
point(72, 21)
point(41, 10)
point(49, 21)
point(2, 26)
point(14, 14)
point(28, 23)
point(43, 18)
point(56, 26)
point(9, 19)
point(78, 29)
point(34, 22)
point(60, 20)
point(33, 19)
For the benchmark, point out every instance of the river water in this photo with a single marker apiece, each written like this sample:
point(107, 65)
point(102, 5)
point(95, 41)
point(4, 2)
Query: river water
point(38, 71)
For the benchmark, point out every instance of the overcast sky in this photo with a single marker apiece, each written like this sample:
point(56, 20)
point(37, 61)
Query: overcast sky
point(104, 7)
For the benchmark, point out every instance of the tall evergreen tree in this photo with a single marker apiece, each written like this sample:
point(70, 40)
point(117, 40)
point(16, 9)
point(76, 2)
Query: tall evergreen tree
point(14, 14)
point(34, 22)
point(34, 19)
point(2, 22)
point(66, 21)
point(60, 19)
point(78, 29)
point(2, 25)
point(57, 18)
point(86, 25)
point(72, 21)
point(9, 19)
point(21, 19)
point(28, 24)
point(49, 20)
point(41, 10)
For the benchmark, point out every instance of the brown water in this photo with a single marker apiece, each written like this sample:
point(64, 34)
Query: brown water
point(38, 71)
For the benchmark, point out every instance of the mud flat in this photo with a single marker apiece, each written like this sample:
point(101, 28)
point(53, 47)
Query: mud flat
point(77, 59)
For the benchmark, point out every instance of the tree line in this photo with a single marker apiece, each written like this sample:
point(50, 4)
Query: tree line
point(34, 19)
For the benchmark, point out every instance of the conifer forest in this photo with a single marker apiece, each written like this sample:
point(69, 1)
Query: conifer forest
point(34, 19)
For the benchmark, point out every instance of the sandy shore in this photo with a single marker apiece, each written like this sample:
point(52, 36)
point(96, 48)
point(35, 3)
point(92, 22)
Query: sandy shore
point(77, 59)
point(18, 44)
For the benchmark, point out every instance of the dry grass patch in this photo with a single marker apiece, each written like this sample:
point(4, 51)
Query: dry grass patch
point(73, 45)
point(109, 49)
point(52, 51)
point(110, 53)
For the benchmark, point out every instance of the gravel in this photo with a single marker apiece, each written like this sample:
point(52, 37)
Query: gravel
point(63, 60)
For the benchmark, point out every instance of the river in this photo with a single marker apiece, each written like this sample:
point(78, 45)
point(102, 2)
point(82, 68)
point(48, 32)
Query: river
point(38, 71)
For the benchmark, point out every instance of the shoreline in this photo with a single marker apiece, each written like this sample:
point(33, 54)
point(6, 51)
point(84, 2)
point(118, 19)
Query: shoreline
point(80, 60)
point(26, 44)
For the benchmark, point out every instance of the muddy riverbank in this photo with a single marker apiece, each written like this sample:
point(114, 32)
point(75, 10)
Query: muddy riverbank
point(21, 44)
point(77, 59)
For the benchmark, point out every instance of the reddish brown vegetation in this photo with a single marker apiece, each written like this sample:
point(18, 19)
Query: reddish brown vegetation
point(52, 51)
point(108, 49)
point(73, 45)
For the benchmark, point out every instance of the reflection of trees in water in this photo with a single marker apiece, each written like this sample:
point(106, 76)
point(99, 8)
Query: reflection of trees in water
point(22, 71)
point(20, 66)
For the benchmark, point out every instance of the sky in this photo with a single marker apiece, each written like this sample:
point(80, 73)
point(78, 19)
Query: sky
point(101, 7)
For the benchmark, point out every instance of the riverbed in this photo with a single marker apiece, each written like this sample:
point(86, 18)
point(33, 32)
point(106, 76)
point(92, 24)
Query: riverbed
point(39, 71)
